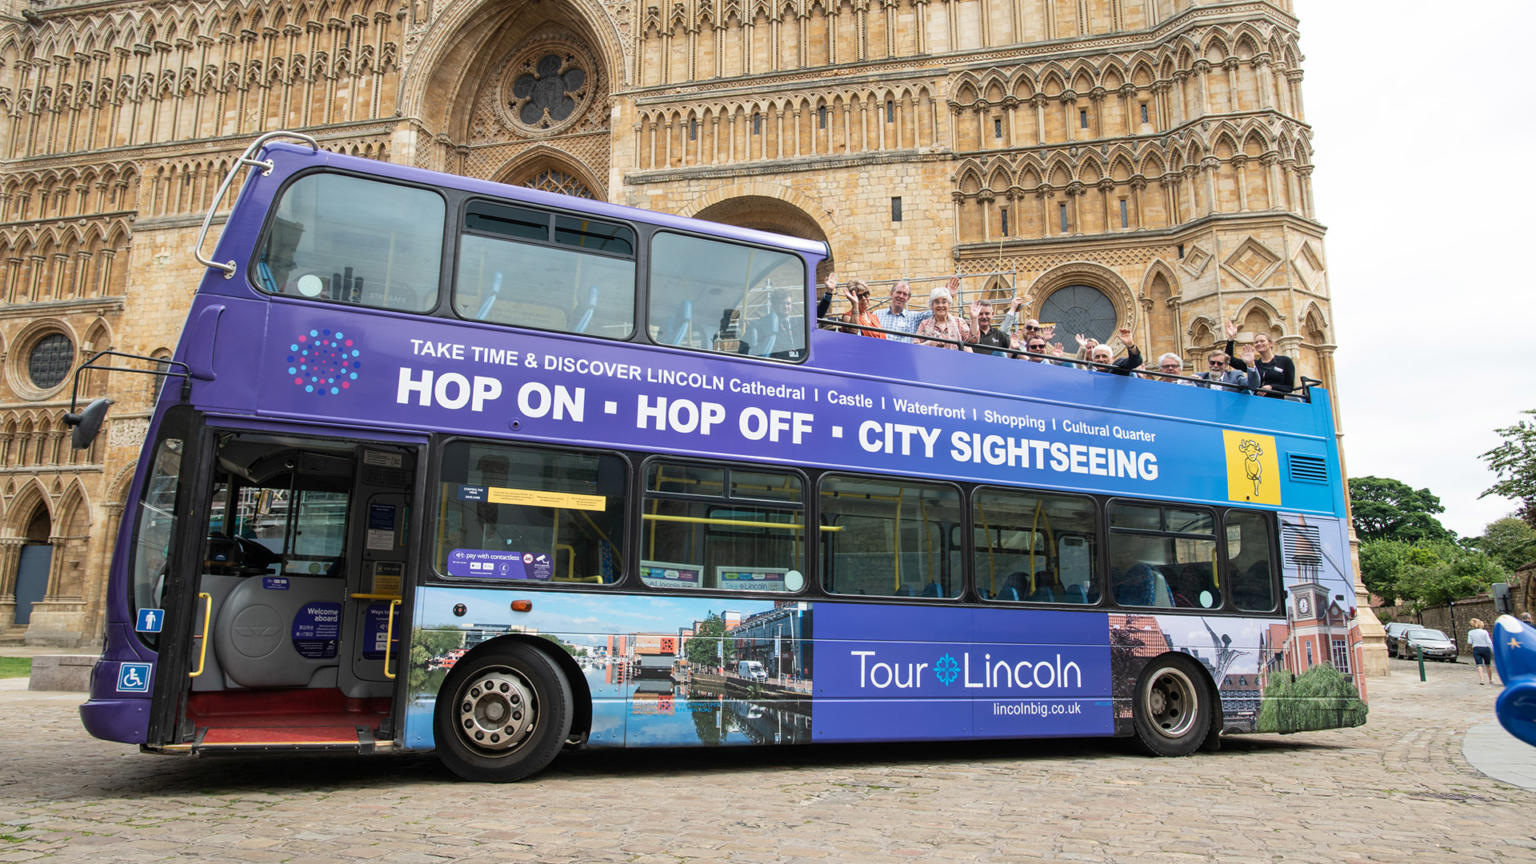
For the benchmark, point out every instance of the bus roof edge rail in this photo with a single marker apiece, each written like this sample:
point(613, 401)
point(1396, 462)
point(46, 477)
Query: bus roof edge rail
point(247, 158)
point(85, 424)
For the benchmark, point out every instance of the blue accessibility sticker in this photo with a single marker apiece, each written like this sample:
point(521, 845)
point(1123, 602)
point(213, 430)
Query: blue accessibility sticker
point(150, 620)
point(133, 678)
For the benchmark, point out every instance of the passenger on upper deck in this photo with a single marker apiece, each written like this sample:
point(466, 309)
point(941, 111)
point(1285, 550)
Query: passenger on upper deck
point(857, 294)
point(777, 334)
point(1269, 374)
point(898, 317)
point(941, 325)
point(1038, 349)
point(1102, 354)
point(983, 335)
point(1222, 376)
point(1170, 364)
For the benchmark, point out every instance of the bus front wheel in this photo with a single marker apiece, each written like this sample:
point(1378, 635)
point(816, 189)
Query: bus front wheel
point(1172, 711)
point(503, 714)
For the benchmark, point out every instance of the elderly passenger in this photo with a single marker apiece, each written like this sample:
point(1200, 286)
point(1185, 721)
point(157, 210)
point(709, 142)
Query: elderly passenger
point(1171, 364)
point(897, 316)
point(941, 325)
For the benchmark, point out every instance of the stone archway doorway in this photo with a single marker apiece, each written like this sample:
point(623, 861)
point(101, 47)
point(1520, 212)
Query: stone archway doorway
point(32, 565)
point(762, 213)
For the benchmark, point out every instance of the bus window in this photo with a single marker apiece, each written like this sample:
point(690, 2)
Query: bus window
point(890, 538)
point(351, 240)
point(1248, 557)
point(732, 528)
point(1163, 556)
point(718, 296)
point(553, 272)
point(521, 513)
point(1035, 548)
point(155, 529)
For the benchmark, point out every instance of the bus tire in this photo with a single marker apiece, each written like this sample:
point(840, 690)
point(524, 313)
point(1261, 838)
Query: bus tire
point(503, 714)
point(1172, 708)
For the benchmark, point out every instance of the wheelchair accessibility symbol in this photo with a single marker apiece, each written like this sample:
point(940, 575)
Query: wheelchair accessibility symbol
point(133, 678)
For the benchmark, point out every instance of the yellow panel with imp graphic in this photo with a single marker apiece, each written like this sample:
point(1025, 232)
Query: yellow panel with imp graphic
point(1253, 467)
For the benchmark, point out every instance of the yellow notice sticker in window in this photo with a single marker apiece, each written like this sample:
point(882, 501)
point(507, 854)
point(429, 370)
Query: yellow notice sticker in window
point(1253, 467)
point(542, 498)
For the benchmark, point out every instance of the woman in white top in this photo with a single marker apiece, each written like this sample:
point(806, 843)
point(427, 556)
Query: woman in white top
point(1482, 651)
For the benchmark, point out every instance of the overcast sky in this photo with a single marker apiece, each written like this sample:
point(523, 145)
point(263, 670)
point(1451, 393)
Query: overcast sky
point(1423, 126)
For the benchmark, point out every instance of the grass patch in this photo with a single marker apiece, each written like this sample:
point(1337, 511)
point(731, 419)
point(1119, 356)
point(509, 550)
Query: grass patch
point(15, 667)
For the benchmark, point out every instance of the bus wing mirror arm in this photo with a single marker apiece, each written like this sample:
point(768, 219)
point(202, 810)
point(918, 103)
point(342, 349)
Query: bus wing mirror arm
point(84, 424)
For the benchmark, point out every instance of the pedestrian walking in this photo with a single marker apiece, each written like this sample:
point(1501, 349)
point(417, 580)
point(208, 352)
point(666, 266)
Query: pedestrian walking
point(1482, 650)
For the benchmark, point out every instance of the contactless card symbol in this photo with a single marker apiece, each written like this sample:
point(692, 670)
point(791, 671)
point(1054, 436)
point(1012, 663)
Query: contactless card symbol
point(133, 678)
point(150, 620)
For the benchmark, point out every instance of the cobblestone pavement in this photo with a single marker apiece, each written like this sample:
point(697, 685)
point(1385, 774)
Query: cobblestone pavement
point(1397, 790)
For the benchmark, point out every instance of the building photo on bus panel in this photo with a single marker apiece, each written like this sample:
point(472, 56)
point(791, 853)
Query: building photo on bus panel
point(445, 465)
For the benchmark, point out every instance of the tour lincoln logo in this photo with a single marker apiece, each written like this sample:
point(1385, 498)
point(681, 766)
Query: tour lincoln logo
point(946, 670)
point(985, 673)
point(323, 362)
point(1253, 468)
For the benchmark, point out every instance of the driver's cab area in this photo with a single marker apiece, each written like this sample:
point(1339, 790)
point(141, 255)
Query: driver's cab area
point(299, 586)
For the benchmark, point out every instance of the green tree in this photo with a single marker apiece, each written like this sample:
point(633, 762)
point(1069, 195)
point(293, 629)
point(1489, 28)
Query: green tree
point(1380, 563)
point(1387, 509)
point(1514, 461)
point(1434, 574)
point(709, 647)
point(1321, 698)
point(1509, 541)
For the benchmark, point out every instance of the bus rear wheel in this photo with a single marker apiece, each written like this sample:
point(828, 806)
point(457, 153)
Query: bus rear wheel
point(1172, 711)
point(503, 714)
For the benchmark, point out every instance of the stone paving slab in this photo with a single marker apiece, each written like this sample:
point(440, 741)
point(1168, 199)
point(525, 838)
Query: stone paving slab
point(1400, 789)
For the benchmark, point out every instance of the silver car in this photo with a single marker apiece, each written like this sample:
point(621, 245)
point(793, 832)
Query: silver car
point(1395, 631)
point(1434, 644)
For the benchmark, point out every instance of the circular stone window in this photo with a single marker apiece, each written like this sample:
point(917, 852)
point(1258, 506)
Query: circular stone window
point(1079, 309)
point(50, 361)
point(547, 88)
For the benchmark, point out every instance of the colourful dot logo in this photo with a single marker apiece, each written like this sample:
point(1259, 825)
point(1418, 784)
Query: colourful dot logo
point(324, 362)
point(946, 670)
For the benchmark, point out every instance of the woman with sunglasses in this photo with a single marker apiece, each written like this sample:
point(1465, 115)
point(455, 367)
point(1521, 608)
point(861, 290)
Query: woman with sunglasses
point(859, 312)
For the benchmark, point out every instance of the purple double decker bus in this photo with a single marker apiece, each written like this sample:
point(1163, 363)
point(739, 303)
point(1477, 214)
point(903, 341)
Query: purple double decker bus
point(441, 464)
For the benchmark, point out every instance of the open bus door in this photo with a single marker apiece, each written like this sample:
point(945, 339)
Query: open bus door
point(294, 571)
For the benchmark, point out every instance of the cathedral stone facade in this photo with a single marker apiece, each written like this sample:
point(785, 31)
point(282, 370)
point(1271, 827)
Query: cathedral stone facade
point(1140, 163)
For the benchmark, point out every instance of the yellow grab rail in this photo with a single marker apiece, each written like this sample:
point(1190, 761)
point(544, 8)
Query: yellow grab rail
point(707, 520)
point(389, 637)
point(202, 656)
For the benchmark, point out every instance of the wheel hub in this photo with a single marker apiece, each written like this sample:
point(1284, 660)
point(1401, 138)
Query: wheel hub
point(1170, 703)
point(497, 710)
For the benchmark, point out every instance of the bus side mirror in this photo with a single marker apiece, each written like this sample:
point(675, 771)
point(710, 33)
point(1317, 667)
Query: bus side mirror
point(87, 423)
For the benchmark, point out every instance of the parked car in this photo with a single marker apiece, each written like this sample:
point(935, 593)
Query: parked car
point(1434, 644)
point(1395, 630)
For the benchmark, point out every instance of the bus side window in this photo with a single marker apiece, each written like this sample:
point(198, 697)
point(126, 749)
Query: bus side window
point(713, 526)
point(1250, 570)
point(1040, 548)
point(529, 514)
point(353, 240)
point(890, 538)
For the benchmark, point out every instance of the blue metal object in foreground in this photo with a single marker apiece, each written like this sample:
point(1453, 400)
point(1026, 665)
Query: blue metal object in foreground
point(1514, 653)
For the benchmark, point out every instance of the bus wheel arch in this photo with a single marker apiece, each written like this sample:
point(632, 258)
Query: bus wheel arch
point(503, 713)
point(1175, 706)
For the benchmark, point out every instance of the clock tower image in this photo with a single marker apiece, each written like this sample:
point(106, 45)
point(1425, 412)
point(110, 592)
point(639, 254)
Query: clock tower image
point(1321, 629)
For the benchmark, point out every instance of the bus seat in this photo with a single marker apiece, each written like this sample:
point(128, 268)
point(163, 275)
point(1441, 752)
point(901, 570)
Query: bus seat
point(933, 589)
point(677, 329)
point(584, 314)
point(1043, 594)
point(1007, 593)
point(490, 298)
point(1076, 594)
point(905, 591)
point(1161, 596)
point(1134, 587)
